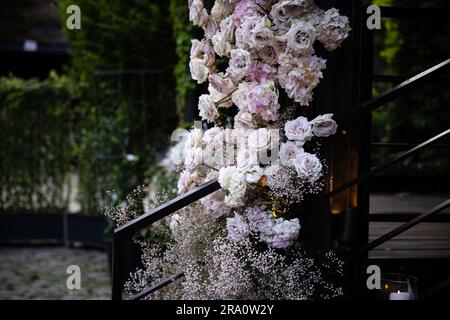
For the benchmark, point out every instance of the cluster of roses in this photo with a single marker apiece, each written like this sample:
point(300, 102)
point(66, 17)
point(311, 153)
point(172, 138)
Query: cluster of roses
point(266, 45)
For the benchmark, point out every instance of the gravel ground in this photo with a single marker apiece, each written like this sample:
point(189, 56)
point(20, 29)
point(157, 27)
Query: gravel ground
point(40, 273)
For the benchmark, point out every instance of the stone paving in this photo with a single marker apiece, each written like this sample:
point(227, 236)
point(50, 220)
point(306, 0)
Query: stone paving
point(40, 273)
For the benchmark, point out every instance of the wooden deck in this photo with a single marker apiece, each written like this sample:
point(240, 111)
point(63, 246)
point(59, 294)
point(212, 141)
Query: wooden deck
point(426, 240)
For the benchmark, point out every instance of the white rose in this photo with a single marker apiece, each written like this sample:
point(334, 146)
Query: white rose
point(238, 230)
point(207, 108)
point(220, 44)
point(299, 130)
point(268, 54)
point(324, 125)
point(260, 140)
point(280, 45)
point(224, 101)
point(221, 10)
point(276, 175)
point(226, 176)
point(193, 139)
point(213, 153)
point(301, 37)
point(288, 152)
point(244, 32)
point(240, 96)
point(193, 158)
point(244, 120)
point(210, 27)
point(213, 136)
point(232, 179)
point(199, 70)
point(222, 82)
point(308, 167)
point(204, 51)
point(295, 8)
point(240, 64)
point(228, 28)
point(187, 181)
point(197, 13)
point(236, 196)
point(262, 35)
point(279, 15)
point(284, 233)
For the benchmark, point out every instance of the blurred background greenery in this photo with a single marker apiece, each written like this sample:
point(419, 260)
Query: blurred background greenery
point(103, 119)
point(404, 47)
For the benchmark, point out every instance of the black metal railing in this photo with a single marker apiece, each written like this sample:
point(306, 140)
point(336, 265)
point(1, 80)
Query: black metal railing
point(399, 230)
point(126, 231)
point(388, 164)
point(391, 94)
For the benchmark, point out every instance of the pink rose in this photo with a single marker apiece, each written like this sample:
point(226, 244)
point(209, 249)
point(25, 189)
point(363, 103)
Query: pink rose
point(243, 9)
point(261, 72)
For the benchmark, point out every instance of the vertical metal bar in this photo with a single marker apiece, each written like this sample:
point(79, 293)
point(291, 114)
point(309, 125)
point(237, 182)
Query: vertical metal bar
point(117, 281)
point(364, 149)
point(356, 145)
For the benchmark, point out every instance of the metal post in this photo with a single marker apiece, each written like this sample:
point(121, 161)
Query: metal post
point(364, 149)
point(117, 281)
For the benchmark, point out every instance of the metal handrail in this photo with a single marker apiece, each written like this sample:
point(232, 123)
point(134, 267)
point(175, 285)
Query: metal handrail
point(157, 286)
point(127, 230)
point(131, 227)
point(404, 227)
point(387, 164)
point(391, 94)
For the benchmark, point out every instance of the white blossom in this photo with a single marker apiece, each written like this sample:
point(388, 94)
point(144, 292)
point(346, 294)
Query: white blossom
point(240, 64)
point(324, 125)
point(308, 167)
point(207, 108)
point(289, 151)
point(299, 130)
point(237, 229)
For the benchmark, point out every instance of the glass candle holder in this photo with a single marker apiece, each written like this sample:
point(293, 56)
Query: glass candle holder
point(396, 286)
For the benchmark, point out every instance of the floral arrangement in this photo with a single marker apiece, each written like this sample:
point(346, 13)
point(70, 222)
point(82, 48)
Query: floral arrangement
point(242, 241)
point(251, 50)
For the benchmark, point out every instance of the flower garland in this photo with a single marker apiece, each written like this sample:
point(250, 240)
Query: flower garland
point(254, 50)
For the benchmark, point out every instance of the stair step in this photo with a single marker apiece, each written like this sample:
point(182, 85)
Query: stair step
point(426, 240)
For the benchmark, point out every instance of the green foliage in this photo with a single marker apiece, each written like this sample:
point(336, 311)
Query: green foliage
point(122, 135)
point(182, 32)
point(109, 128)
point(128, 112)
point(409, 47)
point(120, 35)
point(36, 119)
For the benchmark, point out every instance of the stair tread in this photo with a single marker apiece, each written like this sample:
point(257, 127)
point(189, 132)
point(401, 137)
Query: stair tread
point(426, 240)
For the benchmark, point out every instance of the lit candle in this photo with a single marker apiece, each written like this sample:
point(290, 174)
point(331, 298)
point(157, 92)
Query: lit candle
point(400, 296)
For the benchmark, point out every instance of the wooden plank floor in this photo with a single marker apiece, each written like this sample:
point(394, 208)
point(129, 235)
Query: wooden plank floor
point(406, 202)
point(426, 240)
